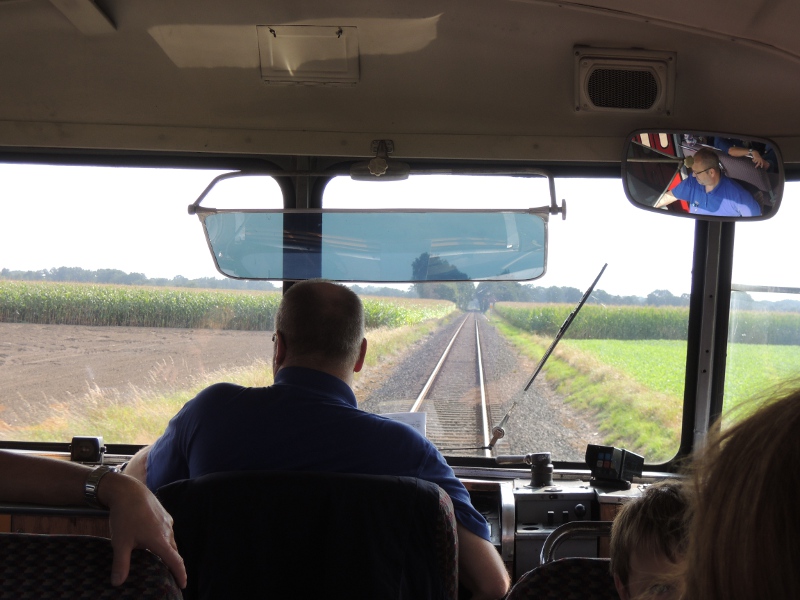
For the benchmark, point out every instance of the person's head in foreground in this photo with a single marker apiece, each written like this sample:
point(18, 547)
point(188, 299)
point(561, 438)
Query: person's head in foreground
point(648, 543)
point(745, 536)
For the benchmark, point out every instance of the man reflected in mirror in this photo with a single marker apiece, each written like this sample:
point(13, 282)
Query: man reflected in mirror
point(708, 191)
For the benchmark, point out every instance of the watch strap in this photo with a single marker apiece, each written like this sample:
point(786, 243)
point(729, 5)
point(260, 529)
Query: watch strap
point(93, 484)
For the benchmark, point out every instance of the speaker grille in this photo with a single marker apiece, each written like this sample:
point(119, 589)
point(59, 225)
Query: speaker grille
point(622, 88)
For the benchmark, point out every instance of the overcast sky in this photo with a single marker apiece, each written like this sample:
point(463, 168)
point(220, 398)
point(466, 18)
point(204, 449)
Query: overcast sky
point(137, 221)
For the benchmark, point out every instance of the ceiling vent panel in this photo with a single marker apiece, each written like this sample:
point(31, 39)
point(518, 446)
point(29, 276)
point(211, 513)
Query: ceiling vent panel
point(614, 80)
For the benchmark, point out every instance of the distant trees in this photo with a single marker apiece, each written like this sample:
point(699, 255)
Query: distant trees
point(373, 290)
point(427, 267)
point(488, 293)
point(666, 298)
point(461, 293)
point(117, 277)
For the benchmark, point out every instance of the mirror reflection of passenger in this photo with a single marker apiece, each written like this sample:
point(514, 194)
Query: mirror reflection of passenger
point(762, 155)
point(309, 420)
point(709, 191)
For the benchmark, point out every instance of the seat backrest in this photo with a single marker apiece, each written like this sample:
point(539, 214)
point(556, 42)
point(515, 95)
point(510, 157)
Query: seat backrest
point(567, 579)
point(77, 566)
point(314, 535)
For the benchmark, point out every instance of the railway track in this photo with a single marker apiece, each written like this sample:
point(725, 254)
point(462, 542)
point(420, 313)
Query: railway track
point(454, 396)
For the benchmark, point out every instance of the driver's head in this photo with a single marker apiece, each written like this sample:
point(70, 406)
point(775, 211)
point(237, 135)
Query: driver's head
point(321, 322)
point(705, 165)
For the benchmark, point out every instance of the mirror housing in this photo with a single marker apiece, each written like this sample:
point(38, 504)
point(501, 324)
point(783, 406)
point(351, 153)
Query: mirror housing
point(371, 246)
point(734, 177)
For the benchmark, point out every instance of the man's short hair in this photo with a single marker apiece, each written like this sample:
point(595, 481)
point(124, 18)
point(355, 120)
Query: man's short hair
point(319, 318)
point(707, 158)
point(655, 522)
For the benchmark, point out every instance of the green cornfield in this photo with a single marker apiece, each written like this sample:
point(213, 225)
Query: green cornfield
point(397, 312)
point(110, 305)
point(600, 322)
point(646, 323)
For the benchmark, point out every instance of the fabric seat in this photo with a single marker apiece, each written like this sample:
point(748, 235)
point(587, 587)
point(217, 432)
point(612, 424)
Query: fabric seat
point(314, 535)
point(573, 578)
point(567, 579)
point(77, 566)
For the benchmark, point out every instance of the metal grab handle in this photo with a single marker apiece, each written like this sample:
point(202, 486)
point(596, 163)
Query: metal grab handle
point(569, 530)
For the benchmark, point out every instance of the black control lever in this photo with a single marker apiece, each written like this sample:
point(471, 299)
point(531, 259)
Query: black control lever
point(541, 467)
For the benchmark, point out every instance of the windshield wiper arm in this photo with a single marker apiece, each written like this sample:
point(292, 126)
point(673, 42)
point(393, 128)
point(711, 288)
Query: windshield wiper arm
point(498, 431)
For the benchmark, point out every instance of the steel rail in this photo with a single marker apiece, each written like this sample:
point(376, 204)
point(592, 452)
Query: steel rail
point(432, 378)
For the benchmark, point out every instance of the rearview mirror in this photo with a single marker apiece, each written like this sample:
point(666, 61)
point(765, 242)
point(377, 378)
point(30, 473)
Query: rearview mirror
point(376, 246)
point(725, 177)
point(373, 246)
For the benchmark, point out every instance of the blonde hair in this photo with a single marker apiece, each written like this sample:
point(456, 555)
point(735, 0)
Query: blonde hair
point(745, 535)
point(655, 522)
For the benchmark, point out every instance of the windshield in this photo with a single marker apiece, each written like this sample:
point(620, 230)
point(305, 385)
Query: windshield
point(112, 316)
point(615, 378)
point(764, 324)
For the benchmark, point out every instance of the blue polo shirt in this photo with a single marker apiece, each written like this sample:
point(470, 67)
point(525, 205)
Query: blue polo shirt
point(728, 199)
point(306, 421)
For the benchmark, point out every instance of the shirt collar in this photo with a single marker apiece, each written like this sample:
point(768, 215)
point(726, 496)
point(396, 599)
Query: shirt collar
point(322, 383)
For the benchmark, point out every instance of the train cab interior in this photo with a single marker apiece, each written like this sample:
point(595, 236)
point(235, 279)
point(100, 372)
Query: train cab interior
point(498, 181)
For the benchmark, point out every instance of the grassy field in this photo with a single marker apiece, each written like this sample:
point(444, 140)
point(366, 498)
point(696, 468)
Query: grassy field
point(137, 421)
point(634, 388)
point(659, 365)
point(753, 368)
point(143, 419)
point(628, 413)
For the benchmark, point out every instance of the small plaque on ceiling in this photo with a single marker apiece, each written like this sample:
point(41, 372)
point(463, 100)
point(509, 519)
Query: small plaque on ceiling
point(308, 54)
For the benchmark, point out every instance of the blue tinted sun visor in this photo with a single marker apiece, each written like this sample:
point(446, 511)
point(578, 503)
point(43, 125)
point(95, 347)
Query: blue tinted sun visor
point(378, 246)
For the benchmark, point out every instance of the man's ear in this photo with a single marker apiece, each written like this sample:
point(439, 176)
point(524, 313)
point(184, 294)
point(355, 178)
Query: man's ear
point(622, 590)
point(361, 354)
point(280, 351)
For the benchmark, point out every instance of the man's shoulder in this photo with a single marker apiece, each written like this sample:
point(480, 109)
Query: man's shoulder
point(688, 185)
point(393, 433)
point(223, 389)
point(219, 392)
point(737, 192)
point(732, 184)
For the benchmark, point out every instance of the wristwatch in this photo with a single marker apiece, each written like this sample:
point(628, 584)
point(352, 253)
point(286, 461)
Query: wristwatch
point(93, 483)
point(750, 154)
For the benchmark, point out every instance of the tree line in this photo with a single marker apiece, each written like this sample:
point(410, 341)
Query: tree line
point(464, 294)
point(117, 277)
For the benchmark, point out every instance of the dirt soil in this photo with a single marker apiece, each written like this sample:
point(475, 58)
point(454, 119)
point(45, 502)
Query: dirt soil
point(42, 365)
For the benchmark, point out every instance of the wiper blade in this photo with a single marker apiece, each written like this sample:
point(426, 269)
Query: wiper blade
point(498, 431)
